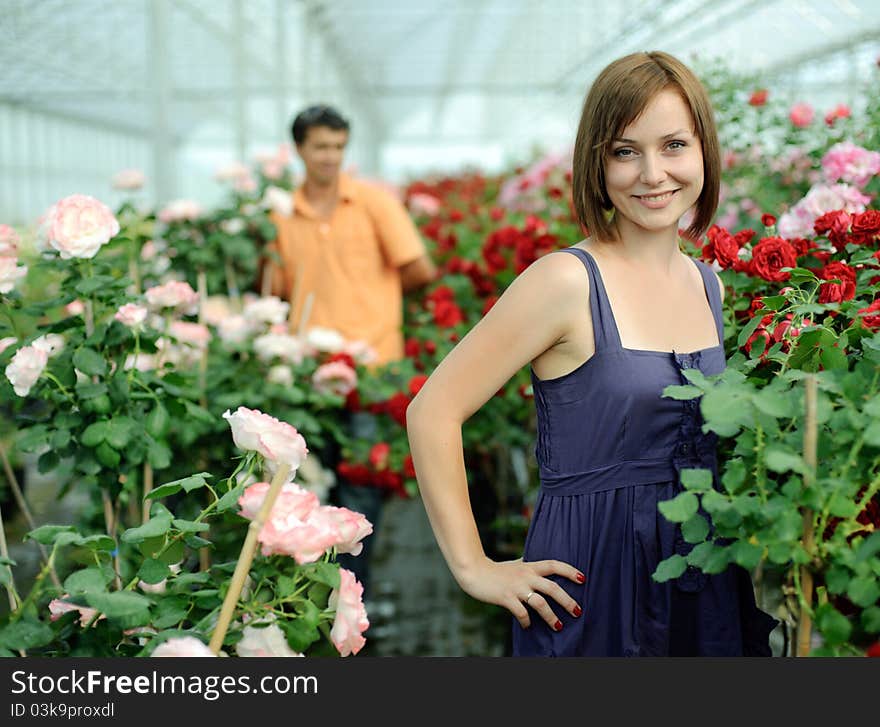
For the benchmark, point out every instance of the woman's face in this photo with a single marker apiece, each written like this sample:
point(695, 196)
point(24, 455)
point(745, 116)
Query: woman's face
point(654, 171)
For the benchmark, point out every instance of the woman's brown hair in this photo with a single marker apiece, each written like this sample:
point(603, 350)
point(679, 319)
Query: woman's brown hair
point(617, 97)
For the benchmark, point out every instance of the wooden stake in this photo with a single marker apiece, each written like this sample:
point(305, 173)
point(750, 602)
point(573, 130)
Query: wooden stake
point(804, 627)
point(110, 523)
point(243, 566)
point(266, 282)
point(306, 313)
point(148, 488)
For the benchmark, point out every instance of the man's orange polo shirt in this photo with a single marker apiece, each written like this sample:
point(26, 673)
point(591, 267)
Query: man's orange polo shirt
point(350, 262)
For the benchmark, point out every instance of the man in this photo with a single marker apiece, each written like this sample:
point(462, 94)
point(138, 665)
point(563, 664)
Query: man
point(352, 248)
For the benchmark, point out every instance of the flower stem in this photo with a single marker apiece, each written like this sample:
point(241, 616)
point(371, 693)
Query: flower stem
point(246, 558)
point(810, 446)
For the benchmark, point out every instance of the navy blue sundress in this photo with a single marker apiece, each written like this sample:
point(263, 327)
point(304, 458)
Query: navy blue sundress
point(609, 448)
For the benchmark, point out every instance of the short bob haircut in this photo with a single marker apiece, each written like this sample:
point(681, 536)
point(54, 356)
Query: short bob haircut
point(617, 97)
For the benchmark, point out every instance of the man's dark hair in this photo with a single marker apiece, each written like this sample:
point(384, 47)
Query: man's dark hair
point(317, 116)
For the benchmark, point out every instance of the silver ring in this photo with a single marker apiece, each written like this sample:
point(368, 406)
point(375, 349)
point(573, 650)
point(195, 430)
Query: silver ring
point(531, 593)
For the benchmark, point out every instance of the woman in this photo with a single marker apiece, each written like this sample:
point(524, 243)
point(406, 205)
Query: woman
point(606, 325)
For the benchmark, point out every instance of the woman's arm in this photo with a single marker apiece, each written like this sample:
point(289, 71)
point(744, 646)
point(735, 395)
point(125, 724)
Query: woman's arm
point(534, 314)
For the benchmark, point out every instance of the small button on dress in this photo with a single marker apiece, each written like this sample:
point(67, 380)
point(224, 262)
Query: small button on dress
point(610, 447)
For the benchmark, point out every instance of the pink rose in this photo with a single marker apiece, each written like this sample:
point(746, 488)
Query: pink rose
point(822, 198)
point(264, 641)
point(58, 607)
point(192, 334)
point(325, 339)
point(131, 315)
point(801, 115)
point(173, 294)
point(293, 501)
point(279, 345)
point(351, 526)
point(79, 225)
point(235, 329)
point(51, 343)
point(25, 368)
point(7, 342)
point(10, 273)
point(850, 163)
point(281, 375)
point(231, 171)
point(75, 308)
point(215, 309)
point(183, 646)
point(278, 201)
point(269, 309)
point(272, 169)
point(180, 210)
point(273, 439)
point(335, 378)
point(425, 204)
point(351, 616)
point(128, 179)
point(8, 241)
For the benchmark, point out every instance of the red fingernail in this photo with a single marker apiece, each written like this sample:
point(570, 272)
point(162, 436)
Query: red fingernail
point(581, 578)
point(577, 611)
point(558, 626)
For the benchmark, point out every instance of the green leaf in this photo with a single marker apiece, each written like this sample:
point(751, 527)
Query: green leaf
point(871, 619)
point(230, 499)
point(837, 579)
point(700, 554)
point(869, 548)
point(33, 438)
point(747, 554)
point(863, 591)
point(326, 573)
point(48, 461)
point(89, 580)
point(107, 456)
point(682, 393)
point(285, 586)
point(717, 561)
point(153, 571)
point(26, 634)
point(159, 455)
point(734, 476)
point(98, 542)
point(782, 460)
point(156, 525)
point(776, 404)
point(680, 508)
point(833, 625)
point(696, 479)
point(193, 482)
point(131, 609)
point(190, 526)
point(90, 362)
point(833, 358)
point(92, 285)
point(119, 431)
point(94, 434)
point(46, 534)
point(299, 634)
point(695, 530)
point(840, 505)
point(872, 434)
point(671, 567)
point(170, 611)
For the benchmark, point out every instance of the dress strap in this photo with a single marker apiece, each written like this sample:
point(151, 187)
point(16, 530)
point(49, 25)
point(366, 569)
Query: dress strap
point(710, 283)
point(604, 326)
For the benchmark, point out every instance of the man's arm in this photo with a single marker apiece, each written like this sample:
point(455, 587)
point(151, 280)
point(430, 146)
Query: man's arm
point(417, 273)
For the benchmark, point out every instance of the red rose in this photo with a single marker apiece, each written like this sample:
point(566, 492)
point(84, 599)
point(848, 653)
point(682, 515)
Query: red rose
point(356, 474)
point(744, 237)
point(874, 649)
point(768, 220)
point(497, 214)
point(801, 245)
point(396, 407)
point(416, 383)
point(456, 216)
point(409, 469)
point(490, 301)
point(379, 455)
point(345, 358)
point(871, 322)
point(762, 337)
point(411, 348)
point(447, 314)
point(353, 400)
point(759, 97)
point(430, 347)
point(724, 248)
point(834, 225)
point(526, 392)
point(390, 480)
point(865, 226)
point(837, 292)
point(770, 255)
point(441, 292)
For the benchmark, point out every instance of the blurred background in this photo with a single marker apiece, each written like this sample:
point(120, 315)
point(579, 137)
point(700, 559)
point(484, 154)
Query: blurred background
point(177, 88)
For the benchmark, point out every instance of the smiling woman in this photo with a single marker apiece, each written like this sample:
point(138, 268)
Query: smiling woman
point(610, 446)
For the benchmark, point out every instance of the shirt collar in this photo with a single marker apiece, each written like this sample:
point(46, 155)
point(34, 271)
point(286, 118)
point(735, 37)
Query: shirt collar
point(347, 193)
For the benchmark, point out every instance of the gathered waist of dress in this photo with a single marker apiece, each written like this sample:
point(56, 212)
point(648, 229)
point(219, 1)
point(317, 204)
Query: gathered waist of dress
point(629, 473)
